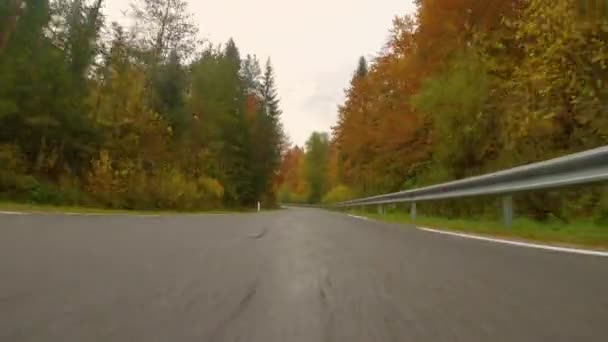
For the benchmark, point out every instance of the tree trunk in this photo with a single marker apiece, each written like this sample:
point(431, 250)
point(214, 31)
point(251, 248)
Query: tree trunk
point(41, 154)
point(10, 24)
point(160, 38)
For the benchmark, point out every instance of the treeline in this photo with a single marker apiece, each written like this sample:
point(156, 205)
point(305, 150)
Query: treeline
point(138, 117)
point(467, 87)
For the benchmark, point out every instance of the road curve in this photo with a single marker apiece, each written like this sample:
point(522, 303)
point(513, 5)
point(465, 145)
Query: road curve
point(297, 275)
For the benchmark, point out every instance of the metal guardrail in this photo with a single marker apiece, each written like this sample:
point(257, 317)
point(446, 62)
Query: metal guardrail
point(580, 168)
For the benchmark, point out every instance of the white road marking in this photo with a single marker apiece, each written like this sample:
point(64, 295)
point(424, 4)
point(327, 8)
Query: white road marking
point(11, 213)
point(109, 214)
point(519, 243)
point(359, 217)
point(71, 213)
point(78, 214)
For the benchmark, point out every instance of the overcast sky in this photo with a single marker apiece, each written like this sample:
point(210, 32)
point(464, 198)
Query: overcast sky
point(314, 46)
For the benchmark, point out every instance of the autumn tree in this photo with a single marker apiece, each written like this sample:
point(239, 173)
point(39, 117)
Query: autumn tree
point(293, 188)
point(10, 11)
point(558, 87)
point(218, 101)
point(379, 136)
point(470, 86)
point(164, 27)
point(317, 153)
point(251, 74)
point(53, 130)
point(131, 121)
point(170, 82)
point(267, 133)
point(362, 68)
point(456, 101)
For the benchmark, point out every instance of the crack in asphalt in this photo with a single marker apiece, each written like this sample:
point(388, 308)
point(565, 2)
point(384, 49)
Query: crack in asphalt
point(244, 303)
point(259, 235)
point(326, 312)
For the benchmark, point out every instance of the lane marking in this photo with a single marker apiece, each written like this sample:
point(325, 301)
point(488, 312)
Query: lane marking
point(519, 243)
point(121, 214)
point(359, 217)
point(12, 213)
point(74, 214)
point(108, 214)
point(78, 214)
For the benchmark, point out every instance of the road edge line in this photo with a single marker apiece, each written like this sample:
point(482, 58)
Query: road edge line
point(358, 217)
point(118, 214)
point(12, 213)
point(518, 243)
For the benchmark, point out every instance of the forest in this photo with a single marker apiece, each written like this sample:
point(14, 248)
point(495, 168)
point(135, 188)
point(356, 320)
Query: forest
point(144, 116)
point(463, 88)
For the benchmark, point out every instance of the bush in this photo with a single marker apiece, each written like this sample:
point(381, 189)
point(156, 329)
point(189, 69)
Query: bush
point(12, 174)
point(47, 193)
point(338, 194)
point(125, 183)
point(105, 179)
point(44, 194)
point(211, 192)
point(11, 158)
point(287, 196)
point(14, 181)
point(172, 190)
point(601, 215)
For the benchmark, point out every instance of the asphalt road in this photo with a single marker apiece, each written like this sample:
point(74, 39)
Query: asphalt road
point(291, 275)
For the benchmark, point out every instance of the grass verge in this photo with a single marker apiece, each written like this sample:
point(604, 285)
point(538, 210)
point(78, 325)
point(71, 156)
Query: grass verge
point(37, 208)
point(579, 233)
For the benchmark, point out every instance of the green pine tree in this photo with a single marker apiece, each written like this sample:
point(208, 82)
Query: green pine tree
point(170, 85)
point(316, 161)
point(362, 68)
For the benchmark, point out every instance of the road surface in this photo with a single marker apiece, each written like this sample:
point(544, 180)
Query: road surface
point(298, 275)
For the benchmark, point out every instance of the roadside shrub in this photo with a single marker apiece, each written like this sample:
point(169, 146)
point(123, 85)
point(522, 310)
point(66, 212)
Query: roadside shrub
point(12, 171)
point(103, 181)
point(44, 194)
point(287, 196)
point(15, 183)
point(170, 189)
point(211, 192)
point(137, 194)
point(601, 215)
point(340, 193)
point(11, 158)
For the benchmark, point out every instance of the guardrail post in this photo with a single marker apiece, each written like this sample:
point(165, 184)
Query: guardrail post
point(413, 211)
point(507, 211)
point(380, 209)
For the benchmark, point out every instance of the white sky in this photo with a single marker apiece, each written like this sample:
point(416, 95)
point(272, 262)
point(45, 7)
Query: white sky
point(314, 46)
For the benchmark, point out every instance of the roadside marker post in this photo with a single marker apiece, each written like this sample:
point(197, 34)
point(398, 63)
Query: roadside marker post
point(413, 211)
point(507, 211)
